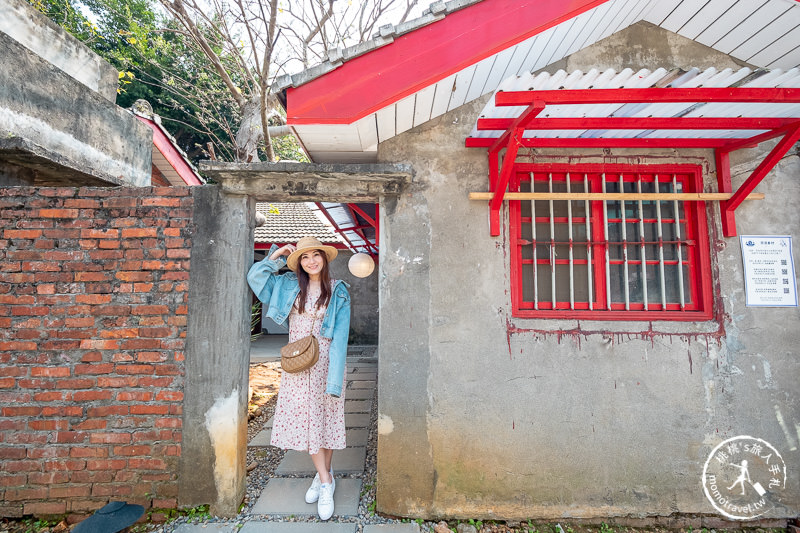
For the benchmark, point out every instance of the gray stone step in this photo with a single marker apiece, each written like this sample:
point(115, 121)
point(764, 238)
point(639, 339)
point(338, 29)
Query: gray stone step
point(359, 394)
point(298, 527)
point(261, 439)
point(357, 406)
point(347, 461)
point(356, 420)
point(361, 384)
point(286, 496)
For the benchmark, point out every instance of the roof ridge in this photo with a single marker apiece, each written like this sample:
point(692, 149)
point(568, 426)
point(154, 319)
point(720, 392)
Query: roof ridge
point(335, 57)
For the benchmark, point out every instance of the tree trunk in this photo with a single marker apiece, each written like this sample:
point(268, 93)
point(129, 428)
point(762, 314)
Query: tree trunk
point(250, 131)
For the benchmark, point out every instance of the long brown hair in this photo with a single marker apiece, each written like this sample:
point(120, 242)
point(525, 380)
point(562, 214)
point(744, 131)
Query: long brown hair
point(324, 281)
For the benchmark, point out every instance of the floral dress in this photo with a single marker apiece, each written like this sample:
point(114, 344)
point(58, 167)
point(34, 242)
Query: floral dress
point(306, 418)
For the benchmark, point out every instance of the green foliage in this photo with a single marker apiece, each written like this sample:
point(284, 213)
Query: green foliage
point(158, 65)
point(288, 149)
point(196, 514)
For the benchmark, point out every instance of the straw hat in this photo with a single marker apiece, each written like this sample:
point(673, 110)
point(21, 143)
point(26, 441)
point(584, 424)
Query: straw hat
point(114, 517)
point(309, 243)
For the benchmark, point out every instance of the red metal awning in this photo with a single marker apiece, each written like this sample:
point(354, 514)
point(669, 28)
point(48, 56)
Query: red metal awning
point(754, 108)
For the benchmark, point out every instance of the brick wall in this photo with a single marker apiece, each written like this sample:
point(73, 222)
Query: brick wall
point(93, 303)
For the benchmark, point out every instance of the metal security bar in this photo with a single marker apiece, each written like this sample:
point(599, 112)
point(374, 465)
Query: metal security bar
point(611, 257)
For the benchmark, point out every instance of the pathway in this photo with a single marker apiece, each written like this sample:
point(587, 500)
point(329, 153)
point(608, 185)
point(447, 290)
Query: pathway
point(284, 494)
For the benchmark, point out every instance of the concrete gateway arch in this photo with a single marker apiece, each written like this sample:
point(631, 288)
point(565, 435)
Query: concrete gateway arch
point(217, 343)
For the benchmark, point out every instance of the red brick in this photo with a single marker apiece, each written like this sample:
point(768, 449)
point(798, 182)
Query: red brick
point(46, 288)
point(120, 382)
point(147, 464)
point(87, 451)
point(51, 452)
point(64, 465)
point(91, 424)
point(134, 396)
point(21, 410)
point(106, 464)
point(48, 425)
point(143, 287)
point(100, 234)
point(7, 452)
point(162, 382)
point(51, 372)
point(110, 438)
point(92, 276)
point(49, 396)
point(91, 357)
point(168, 370)
point(102, 368)
point(121, 333)
point(150, 310)
point(72, 490)
point(135, 369)
point(58, 213)
point(100, 476)
point(63, 437)
point(47, 478)
point(77, 383)
point(15, 480)
point(22, 466)
point(44, 508)
point(149, 409)
point(107, 410)
point(63, 410)
point(168, 423)
point(7, 383)
point(26, 438)
point(79, 322)
point(99, 344)
point(26, 494)
point(91, 395)
point(151, 357)
point(17, 345)
point(12, 425)
point(141, 450)
point(169, 396)
point(22, 234)
point(93, 299)
point(82, 203)
point(140, 344)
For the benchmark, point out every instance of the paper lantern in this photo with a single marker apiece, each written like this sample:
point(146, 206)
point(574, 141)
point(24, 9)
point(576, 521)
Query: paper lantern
point(361, 265)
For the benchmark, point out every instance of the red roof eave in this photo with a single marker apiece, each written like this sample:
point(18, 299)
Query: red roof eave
point(420, 58)
point(164, 145)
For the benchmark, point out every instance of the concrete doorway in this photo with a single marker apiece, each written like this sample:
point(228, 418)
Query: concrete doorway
point(213, 460)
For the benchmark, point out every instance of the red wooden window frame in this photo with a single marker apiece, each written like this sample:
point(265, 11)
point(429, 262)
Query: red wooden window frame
point(694, 237)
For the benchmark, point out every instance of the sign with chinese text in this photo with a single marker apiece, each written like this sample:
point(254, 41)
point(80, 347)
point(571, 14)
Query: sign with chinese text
point(768, 270)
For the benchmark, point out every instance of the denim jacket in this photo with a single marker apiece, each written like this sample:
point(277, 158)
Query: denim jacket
point(278, 293)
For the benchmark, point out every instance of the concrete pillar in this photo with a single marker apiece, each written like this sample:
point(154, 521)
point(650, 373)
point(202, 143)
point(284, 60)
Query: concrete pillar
point(213, 468)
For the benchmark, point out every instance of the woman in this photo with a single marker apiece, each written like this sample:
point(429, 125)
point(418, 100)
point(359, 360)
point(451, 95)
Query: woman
point(310, 411)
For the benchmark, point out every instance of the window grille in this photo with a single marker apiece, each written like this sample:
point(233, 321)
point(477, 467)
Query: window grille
point(610, 259)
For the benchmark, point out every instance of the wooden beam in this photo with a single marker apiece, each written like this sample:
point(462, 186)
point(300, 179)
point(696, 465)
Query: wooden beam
point(616, 196)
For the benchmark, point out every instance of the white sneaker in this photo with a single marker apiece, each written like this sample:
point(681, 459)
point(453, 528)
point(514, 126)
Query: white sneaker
point(312, 494)
point(325, 503)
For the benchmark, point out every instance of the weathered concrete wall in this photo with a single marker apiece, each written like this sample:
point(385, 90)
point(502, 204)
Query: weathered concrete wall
point(33, 30)
point(482, 414)
point(364, 300)
point(54, 128)
point(212, 467)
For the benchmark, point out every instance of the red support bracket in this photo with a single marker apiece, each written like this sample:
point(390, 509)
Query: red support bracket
point(498, 180)
point(728, 207)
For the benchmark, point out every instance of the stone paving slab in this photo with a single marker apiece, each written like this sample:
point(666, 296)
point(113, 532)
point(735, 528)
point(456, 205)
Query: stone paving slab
point(261, 439)
point(286, 496)
point(357, 406)
point(205, 528)
point(299, 527)
point(357, 437)
point(359, 394)
point(356, 420)
point(361, 384)
point(347, 461)
point(392, 528)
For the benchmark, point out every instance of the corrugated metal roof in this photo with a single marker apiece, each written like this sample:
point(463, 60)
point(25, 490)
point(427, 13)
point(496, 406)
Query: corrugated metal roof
point(763, 33)
point(645, 78)
point(291, 222)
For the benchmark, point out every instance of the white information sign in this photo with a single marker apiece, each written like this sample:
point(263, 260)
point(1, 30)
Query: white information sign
point(768, 270)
